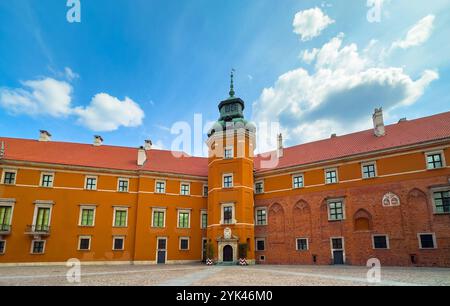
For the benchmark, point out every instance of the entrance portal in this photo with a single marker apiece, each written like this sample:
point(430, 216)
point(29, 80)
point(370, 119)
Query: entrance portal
point(228, 253)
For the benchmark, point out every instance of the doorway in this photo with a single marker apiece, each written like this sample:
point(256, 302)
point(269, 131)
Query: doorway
point(204, 249)
point(228, 253)
point(161, 250)
point(337, 251)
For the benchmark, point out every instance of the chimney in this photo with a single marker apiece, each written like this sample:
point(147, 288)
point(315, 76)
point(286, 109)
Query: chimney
point(280, 145)
point(142, 156)
point(44, 136)
point(333, 135)
point(403, 120)
point(148, 145)
point(378, 122)
point(98, 141)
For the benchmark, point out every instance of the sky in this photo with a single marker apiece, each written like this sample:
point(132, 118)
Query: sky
point(129, 70)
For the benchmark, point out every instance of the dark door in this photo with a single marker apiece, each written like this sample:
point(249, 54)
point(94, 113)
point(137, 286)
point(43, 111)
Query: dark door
point(204, 247)
point(162, 251)
point(227, 253)
point(338, 251)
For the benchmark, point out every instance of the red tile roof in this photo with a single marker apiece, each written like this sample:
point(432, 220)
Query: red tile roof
point(124, 158)
point(106, 157)
point(397, 135)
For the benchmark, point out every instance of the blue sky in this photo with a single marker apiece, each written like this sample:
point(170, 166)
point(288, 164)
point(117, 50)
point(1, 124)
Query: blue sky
point(131, 69)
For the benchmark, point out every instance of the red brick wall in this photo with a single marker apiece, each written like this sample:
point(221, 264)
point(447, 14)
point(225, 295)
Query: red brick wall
point(305, 216)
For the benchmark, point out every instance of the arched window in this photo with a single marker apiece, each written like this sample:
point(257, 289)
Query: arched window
point(362, 220)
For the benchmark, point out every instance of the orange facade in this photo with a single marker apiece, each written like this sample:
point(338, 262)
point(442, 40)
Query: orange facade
point(366, 196)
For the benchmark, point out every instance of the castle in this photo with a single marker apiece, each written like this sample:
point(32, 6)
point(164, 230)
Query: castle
point(382, 193)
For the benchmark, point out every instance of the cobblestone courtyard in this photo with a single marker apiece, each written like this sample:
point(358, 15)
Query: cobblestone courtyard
point(200, 275)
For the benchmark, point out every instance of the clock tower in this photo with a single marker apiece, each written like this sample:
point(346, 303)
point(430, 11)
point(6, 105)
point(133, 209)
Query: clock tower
point(231, 143)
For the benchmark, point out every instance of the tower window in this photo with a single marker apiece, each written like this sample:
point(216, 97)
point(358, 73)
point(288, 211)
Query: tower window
point(227, 215)
point(228, 181)
point(228, 153)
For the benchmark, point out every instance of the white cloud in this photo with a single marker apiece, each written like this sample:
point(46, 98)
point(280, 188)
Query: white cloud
point(339, 95)
point(107, 113)
point(417, 35)
point(310, 23)
point(70, 74)
point(39, 97)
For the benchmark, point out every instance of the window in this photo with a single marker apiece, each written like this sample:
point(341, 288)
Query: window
point(42, 220)
point(259, 187)
point(228, 153)
point(118, 243)
point(204, 220)
point(380, 242)
point(38, 246)
point(2, 247)
point(297, 181)
point(228, 215)
point(302, 244)
point(5, 218)
point(123, 185)
point(120, 217)
point(184, 244)
point(160, 187)
point(442, 202)
point(205, 191)
point(84, 243)
point(335, 210)
point(427, 241)
point(260, 244)
point(159, 218)
point(185, 189)
point(9, 177)
point(87, 216)
point(434, 160)
point(369, 170)
point(183, 219)
point(331, 176)
point(261, 216)
point(47, 180)
point(227, 181)
point(91, 183)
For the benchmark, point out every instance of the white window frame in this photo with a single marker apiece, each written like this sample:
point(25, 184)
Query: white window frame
point(203, 212)
point(256, 244)
point(344, 217)
point(9, 171)
point(120, 208)
point(228, 148)
point(434, 241)
point(293, 179)
point(441, 152)
point(8, 203)
point(223, 180)
point(79, 243)
point(189, 188)
point(296, 244)
point(41, 183)
point(42, 205)
point(156, 209)
point(32, 246)
point(83, 207)
point(441, 189)
point(4, 246)
point(343, 248)
point(369, 163)
point(122, 179)
point(329, 170)
point(114, 243)
point(91, 177)
point(233, 213)
point(262, 184)
point(178, 218)
point(165, 186)
point(256, 216)
point(388, 246)
point(189, 244)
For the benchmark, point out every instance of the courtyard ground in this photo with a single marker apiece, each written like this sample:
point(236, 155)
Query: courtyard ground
point(200, 275)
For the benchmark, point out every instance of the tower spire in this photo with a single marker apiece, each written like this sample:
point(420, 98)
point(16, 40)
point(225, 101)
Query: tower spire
point(232, 84)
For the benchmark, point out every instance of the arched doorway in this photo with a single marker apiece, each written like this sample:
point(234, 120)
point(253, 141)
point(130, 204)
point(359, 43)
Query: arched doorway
point(227, 253)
